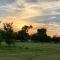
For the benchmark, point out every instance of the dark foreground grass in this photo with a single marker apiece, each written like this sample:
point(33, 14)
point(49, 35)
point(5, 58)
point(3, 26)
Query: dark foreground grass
point(31, 51)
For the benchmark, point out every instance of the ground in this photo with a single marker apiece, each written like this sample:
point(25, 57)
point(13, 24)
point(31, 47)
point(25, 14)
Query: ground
point(31, 51)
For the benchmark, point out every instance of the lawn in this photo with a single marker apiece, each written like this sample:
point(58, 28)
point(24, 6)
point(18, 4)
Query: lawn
point(30, 51)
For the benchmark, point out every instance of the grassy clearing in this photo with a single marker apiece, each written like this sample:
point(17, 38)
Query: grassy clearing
point(31, 51)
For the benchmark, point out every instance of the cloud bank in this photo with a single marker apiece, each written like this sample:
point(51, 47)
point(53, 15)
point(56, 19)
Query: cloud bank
point(32, 12)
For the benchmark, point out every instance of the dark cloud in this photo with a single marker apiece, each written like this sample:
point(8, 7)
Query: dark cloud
point(57, 10)
point(46, 19)
point(48, 0)
point(32, 1)
point(3, 13)
point(4, 2)
point(35, 1)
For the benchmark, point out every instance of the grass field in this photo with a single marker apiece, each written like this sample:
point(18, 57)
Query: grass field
point(31, 51)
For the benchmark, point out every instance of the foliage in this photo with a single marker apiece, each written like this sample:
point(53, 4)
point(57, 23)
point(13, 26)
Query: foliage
point(1, 36)
point(9, 36)
point(56, 39)
point(41, 36)
point(23, 34)
point(8, 33)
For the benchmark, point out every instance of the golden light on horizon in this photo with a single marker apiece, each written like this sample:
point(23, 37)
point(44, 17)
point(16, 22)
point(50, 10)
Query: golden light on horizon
point(18, 23)
point(17, 26)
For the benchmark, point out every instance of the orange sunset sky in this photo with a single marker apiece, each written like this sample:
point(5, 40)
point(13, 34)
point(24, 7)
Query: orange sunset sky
point(38, 13)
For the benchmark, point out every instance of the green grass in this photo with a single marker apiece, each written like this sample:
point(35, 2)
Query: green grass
point(31, 51)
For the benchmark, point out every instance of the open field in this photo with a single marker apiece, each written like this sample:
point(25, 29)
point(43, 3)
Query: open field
point(31, 51)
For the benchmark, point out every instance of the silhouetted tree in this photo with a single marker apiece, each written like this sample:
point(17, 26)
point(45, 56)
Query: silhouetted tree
point(41, 36)
point(34, 37)
point(56, 39)
point(1, 36)
point(23, 34)
point(26, 28)
point(8, 34)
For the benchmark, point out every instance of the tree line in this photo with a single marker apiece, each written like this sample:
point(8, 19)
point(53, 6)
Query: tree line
point(8, 36)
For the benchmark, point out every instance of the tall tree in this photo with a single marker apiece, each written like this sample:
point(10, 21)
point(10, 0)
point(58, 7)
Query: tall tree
point(56, 39)
point(23, 33)
point(8, 33)
point(41, 36)
point(1, 36)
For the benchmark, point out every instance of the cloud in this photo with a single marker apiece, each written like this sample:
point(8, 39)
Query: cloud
point(32, 1)
point(37, 1)
point(46, 19)
point(31, 11)
point(39, 14)
point(5, 2)
point(24, 8)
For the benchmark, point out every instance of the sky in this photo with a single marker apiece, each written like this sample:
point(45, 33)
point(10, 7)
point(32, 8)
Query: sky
point(39, 13)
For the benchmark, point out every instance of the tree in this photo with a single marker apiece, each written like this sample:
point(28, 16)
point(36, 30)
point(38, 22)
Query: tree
point(26, 28)
point(1, 36)
point(56, 39)
point(8, 33)
point(41, 36)
point(34, 37)
point(23, 33)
